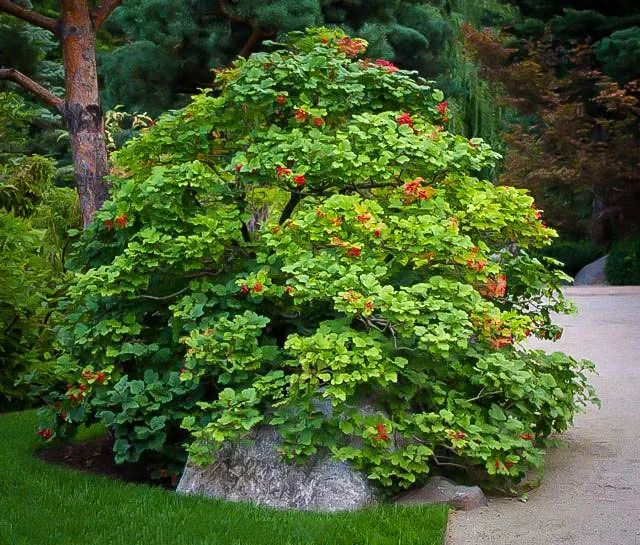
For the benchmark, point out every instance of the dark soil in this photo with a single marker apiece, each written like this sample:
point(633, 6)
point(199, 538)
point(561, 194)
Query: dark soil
point(96, 456)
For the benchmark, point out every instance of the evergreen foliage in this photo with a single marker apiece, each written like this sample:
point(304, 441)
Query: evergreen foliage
point(164, 53)
point(623, 264)
point(620, 54)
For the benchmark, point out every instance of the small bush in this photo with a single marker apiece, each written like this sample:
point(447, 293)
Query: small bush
point(308, 235)
point(34, 220)
point(623, 264)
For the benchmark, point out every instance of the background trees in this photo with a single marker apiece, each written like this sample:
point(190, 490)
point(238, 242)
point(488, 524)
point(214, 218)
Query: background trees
point(157, 55)
point(576, 139)
point(81, 112)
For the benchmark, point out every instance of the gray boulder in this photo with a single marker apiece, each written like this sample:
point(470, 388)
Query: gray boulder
point(592, 274)
point(255, 472)
point(442, 490)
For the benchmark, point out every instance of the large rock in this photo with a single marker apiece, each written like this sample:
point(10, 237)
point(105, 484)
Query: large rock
point(442, 490)
point(592, 274)
point(255, 472)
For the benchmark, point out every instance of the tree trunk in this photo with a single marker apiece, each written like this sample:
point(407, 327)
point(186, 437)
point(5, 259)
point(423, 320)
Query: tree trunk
point(81, 112)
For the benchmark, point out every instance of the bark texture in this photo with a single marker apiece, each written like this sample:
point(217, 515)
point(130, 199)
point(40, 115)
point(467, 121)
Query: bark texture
point(82, 112)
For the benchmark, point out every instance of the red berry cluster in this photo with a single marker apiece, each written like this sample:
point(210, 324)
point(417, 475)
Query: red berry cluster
point(405, 119)
point(389, 66)
point(283, 172)
point(120, 222)
point(383, 434)
point(442, 108)
point(495, 287)
point(415, 190)
point(46, 433)
point(350, 47)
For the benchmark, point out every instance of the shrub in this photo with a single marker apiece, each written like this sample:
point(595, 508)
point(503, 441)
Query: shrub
point(31, 273)
point(623, 264)
point(308, 247)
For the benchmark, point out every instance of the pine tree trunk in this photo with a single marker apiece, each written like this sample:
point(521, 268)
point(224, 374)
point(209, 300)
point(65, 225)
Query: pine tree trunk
point(82, 113)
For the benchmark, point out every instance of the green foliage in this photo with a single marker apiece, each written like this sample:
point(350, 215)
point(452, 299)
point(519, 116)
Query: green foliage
point(22, 270)
point(28, 48)
point(23, 182)
point(14, 120)
point(620, 54)
point(623, 264)
point(375, 310)
point(34, 219)
point(30, 268)
point(573, 254)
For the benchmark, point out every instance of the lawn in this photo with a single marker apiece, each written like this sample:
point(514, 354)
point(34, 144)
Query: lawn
point(43, 504)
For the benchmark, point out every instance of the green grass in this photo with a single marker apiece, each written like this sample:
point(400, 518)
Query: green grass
point(42, 504)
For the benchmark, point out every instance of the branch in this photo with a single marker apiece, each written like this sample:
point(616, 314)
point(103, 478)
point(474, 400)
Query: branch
point(170, 296)
point(30, 16)
point(102, 11)
point(11, 74)
point(252, 42)
point(293, 201)
point(236, 18)
point(257, 34)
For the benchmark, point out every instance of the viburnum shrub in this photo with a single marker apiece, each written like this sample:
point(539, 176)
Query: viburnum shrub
point(306, 246)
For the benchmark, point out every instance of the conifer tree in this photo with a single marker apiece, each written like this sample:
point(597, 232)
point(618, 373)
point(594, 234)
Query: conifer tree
point(166, 49)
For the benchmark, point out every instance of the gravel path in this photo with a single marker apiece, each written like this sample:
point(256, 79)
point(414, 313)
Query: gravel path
point(591, 491)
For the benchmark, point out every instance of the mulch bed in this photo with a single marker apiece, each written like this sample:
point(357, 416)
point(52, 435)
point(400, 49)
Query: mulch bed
point(95, 456)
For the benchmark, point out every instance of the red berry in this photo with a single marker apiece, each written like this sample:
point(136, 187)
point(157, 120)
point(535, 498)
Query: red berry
point(442, 107)
point(382, 434)
point(121, 221)
point(301, 116)
point(258, 288)
point(390, 67)
point(405, 119)
point(298, 180)
point(45, 433)
point(281, 99)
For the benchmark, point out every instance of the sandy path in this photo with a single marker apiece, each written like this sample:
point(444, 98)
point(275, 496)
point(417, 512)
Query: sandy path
point(591, 491)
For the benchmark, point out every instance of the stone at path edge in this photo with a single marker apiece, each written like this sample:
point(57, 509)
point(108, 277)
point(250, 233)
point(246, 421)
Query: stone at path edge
point(443, 490)
point(592, 274)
